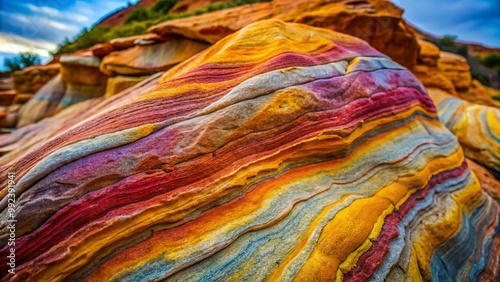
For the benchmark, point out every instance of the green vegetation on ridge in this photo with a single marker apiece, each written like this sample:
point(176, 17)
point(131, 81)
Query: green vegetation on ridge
point(486, 70)
point(138, 21)
point(492, 61)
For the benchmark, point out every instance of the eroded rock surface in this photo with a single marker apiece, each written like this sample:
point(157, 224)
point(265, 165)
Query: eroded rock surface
point(31, 79)
point(148, 59)
point(378, 22)
point(466, 107)
point(281, 152)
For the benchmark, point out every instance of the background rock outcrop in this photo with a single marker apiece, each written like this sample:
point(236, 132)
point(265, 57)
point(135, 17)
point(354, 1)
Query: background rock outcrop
point(282, 152)
point(45, 103)
point(476, 127)
point(378, 22)
point(150, 58)
point(79, 80)
point(31, 79)
point(466, 107)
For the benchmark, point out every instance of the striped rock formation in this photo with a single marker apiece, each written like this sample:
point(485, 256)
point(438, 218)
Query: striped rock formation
point(119, 83)
point(13, 146)
point(122, 43)
point(477, 127)
point(465, 106)
point(282, 152)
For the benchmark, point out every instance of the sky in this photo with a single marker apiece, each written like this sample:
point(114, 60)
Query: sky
point(471, 20)
point(39, 25)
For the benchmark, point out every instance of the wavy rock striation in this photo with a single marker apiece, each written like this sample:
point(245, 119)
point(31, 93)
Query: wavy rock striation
point(282, 152)
point(477, 127)
point(465, 106)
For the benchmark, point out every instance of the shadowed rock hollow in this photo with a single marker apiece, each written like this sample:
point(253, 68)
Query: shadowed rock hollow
point(282, 152)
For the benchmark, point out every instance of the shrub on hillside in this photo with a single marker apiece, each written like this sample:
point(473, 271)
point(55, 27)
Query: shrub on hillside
point(463, 50)
point(134, 28)
point(163, 6)
point(85, 39)
point(492, 60)
point(21, 61)
point(138, 15)
point(481, 77)
point(447, 41)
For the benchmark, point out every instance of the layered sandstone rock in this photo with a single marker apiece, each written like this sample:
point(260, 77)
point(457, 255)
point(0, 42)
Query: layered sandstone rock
point(7, 97)
point(79, 80)
point(281, 152)
point(44, 103)
point(476, 127)
point(8, 116)
point(22, 98)
point(465, 106)
point(122, 43)
point(82, 78)
point(455, 68)
point(82, 70)
point(120, 83)
point(6, 84)
point(31, 79)
point(148, 59)
point(479, 94)
point(429, 54)
point(495, 96)
point(378, 22)
point(488, 181)
point(18, 143)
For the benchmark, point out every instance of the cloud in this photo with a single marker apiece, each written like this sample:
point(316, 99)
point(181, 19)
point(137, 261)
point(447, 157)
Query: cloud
point(51, 12)
point(43, 21)
point(14, 44)
point(53, 20)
